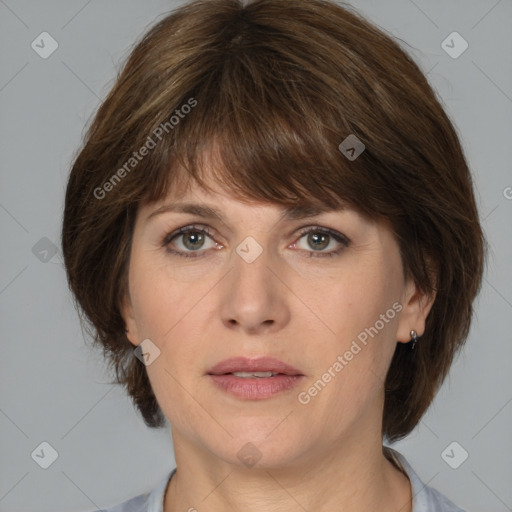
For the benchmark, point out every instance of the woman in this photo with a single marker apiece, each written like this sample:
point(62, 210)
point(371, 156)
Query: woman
point(272, 230)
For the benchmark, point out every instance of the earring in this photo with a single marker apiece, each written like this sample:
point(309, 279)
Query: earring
point(414, 339)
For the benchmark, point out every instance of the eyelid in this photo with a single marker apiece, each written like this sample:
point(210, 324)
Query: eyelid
point(342, 238)
point(210, 232)
point(338, 236)
point(185, 229)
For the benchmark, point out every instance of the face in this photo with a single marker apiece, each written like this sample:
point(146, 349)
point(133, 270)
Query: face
point(323, 294)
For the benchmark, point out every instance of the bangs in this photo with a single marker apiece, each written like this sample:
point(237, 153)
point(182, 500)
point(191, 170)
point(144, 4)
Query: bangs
point(275, 139)
point(269, 113)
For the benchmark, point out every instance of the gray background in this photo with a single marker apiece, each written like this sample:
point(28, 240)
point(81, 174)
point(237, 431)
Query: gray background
point(54, 389)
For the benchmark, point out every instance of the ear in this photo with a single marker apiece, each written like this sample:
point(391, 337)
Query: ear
point(416, 307)
point(126, 309)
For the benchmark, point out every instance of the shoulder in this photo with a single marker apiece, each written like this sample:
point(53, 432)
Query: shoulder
point(425, 498)
point(136, 504)
point(151, 501)
point(438, 502)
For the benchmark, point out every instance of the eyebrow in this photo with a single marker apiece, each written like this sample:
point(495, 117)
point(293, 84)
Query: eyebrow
point(295, 212)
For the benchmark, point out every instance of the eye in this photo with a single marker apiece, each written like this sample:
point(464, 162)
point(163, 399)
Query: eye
point(190, 239)
point(320, 238)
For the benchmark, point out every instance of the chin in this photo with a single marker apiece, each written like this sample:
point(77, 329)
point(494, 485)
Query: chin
point(257, 443)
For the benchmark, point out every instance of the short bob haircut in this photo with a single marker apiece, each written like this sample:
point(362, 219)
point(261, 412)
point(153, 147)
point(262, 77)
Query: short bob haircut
point(269, 89)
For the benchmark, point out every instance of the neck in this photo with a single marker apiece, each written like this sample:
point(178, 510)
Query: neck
point(354, 477)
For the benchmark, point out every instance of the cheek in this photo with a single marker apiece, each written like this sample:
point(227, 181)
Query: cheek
point(166, 312)
point(360, 298)
point(150, 300)
point(363, 312)
point(159, 300)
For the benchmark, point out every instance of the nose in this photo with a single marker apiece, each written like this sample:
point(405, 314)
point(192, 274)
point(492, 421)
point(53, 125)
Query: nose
point(255, 298)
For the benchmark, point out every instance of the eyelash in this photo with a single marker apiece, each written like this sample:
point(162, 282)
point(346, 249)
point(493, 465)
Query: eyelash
point(198, 229)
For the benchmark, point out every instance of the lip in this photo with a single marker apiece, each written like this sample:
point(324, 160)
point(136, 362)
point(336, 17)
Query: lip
point(254, 388)
point(259, 364)
point(257, 388)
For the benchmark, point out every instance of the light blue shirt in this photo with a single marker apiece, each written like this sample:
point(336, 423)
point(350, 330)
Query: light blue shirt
point(424, 498)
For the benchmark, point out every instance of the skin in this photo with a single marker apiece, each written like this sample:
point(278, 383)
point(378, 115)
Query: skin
point(325, 455)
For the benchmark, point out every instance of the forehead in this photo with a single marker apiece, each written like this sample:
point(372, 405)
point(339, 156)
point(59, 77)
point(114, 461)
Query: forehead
point(210, 195)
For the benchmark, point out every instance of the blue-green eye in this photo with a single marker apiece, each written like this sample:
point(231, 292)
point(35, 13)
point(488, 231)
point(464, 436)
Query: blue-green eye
point(320, 238)
point(193, 238)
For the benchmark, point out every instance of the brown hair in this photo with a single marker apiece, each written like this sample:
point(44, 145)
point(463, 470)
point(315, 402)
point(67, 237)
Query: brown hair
point(273, 87)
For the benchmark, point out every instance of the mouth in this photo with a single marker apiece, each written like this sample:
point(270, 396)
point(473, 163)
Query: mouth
point(251, 375)
point(261, 367)
point(254, 379)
